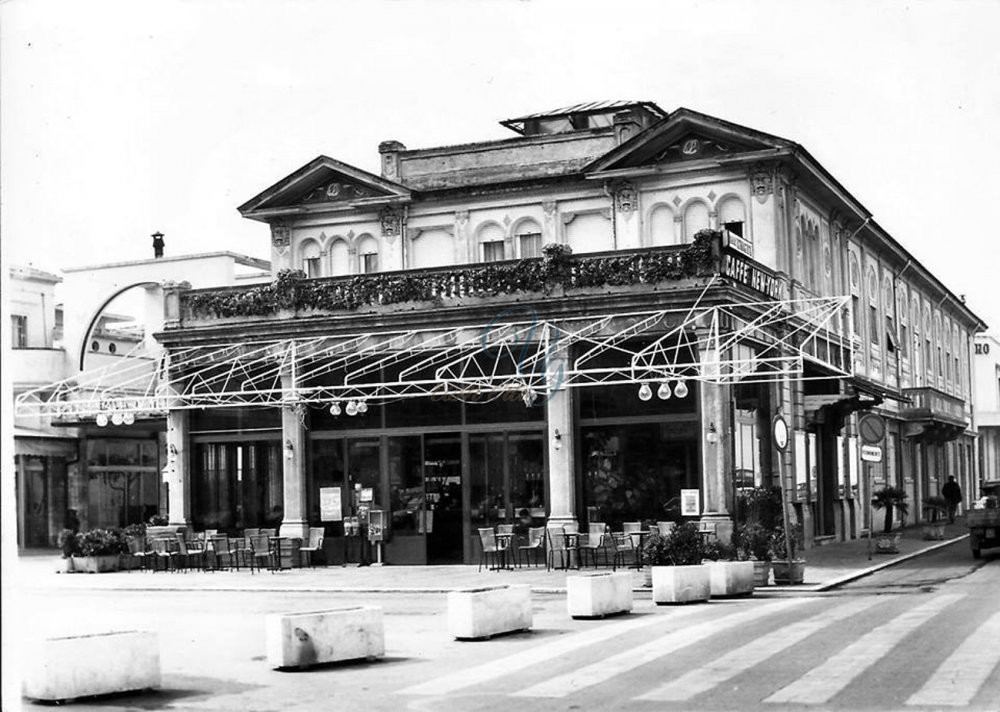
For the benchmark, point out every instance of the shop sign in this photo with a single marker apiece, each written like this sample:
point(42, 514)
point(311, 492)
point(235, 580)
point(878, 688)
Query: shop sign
point(690, 502)
point(749, 273)
point(871, 453)
point(330, 504)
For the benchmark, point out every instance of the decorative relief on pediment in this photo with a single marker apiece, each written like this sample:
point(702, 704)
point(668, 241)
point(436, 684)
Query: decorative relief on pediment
point(336, 191)
point(761, 181)
point(693, 146)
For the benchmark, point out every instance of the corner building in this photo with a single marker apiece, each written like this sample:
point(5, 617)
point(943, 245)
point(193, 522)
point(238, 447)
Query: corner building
point(442, 349)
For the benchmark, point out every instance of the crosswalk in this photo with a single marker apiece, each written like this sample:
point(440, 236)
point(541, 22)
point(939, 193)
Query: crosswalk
point(643, 646)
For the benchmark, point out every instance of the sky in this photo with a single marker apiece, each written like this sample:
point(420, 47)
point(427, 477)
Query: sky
point(121, 119)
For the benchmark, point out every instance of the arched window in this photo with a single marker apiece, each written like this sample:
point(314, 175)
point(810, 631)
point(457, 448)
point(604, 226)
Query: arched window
point(873, 322)
point(855, 286)
point(309, 254)
point(528, 239)
point(732, 216)
point(956, 352)
point(340, 260)
point(938, 338)
point(928, 345)
point(367, 254)
point(589, 232)
point(695, 219)
point(918, 361)
point(662, 226)
point(490, 238)
point(902, 311)
point(889, 307)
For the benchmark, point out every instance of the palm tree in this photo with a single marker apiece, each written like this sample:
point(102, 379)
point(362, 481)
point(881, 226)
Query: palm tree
point(891, 498)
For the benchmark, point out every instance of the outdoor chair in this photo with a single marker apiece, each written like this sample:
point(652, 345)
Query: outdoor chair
point(631, 527)
point(224, 556)
point(488, 549)
point(561, 542)
point(315, 545)
point(536, 543)
point(269, 532)
point(191, 554)
point(165, 551)
point(137, 552)
point(594, 542)
point(505, 528)
point(664, 528)
point(623, 548)
point(261, 553)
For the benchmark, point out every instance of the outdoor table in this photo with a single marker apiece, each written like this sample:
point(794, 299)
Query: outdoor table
point(504, 543)
point(285, 552)
point(572, 545)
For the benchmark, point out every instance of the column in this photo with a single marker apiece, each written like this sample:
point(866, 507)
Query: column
point(562, 446)
point(295, 522)
point(716, 449)
point(176, 474)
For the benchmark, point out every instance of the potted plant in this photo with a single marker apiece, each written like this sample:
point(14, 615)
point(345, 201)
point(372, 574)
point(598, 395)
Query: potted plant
point(752, 542)
point(935, 509)
point(789, 568)
point(891, 499)
point(677, 573)
point(99, 551)
point(70, 545)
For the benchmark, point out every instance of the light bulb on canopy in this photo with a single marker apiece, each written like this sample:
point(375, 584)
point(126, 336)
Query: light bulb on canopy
point(645, 392)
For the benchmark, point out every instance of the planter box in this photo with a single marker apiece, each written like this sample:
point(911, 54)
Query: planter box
point(761, 573)
point(681, 584)
point(599, 595)
point(303, 639)
point(94, 564)
point(86, 665)
point(730, 578)
point(485, 612)
point(786, 573)
point(934, 532)
point(887, 543)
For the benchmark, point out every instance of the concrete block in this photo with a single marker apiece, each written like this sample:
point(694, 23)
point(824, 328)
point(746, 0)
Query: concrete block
point(316, 637)
point(730, 578)
point(599, 594)
point(484, 612)
point(86, 665)
point(681, 584)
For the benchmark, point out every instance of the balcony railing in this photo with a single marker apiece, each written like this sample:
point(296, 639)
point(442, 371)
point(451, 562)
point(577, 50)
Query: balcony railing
point(557, 270)
point(931, 404)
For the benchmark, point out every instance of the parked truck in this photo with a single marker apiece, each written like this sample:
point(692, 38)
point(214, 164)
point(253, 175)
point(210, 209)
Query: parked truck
point(983, 520)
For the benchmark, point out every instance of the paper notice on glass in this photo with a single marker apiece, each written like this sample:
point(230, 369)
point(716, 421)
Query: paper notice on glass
point(330, 504)
point(367, 494)
point(690, 502)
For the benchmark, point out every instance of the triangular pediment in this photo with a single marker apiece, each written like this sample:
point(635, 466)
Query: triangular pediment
point(325, 181)
point(686, 135)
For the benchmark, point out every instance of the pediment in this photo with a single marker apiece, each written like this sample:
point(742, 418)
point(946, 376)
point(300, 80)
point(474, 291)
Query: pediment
point(325, 181)
point(686, 135)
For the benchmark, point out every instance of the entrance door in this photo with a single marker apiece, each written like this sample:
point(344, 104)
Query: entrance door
point(488, 482)
point(443, 488)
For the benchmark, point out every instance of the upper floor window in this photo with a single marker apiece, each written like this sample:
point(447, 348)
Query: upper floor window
point(340, 259)
point(695, 219)
point(529, 239)
point(19, 330)
point(490, 237)
point(873, 324)
point(732, 216)
point(854, 279)
point(368, 254)
point(493, 251)
point(888, 304)
point(312, 263)
point(662, 226)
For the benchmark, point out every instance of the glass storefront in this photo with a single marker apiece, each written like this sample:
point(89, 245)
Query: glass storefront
point(237, 485)
point(124, 485)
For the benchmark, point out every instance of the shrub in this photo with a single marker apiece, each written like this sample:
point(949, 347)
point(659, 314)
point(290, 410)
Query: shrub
point(760, 505)
point(158, 520)
point(69, 542)
point(890, 498)
point(102, 542)
point(717, 551)
point(752, 542)
point(779, 552)
point(682, 547)
point(936, 507)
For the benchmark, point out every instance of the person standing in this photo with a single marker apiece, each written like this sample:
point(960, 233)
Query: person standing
point(953, 495)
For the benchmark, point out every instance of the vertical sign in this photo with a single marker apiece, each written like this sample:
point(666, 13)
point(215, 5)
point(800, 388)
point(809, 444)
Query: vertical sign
point(330, 509)
point(690, 503)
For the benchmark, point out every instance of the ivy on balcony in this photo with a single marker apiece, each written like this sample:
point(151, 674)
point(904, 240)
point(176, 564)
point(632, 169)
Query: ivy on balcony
point(556, 268)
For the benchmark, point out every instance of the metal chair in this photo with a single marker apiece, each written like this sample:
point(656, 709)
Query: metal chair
point(315, 544)
point(664, 528)
point(536, 543)
point(224, 555)
point(563, 542)
point(594, 542)
point(166, 550)
point(488, 548)
point(631, 527)
point(622, 544)
point(261, 551)
point(137, 551)
point(268, 532)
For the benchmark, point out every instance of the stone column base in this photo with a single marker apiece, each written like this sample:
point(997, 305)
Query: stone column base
point(291, 528)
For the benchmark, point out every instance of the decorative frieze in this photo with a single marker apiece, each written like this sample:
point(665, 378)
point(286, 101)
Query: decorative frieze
point(391, 221)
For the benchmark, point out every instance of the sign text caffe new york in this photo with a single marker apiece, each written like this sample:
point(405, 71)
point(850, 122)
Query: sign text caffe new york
point(752, 275)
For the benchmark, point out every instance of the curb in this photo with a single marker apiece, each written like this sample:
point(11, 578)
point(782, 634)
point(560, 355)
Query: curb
point(892, 562)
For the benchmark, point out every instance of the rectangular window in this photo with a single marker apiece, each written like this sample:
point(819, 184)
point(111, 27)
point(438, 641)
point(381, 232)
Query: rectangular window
point(890, 335)
point(873, 322)
point(369, 262)
point(735, 227)
point(531, 245)
point(312, 267)
point(19, 330)
point(903, 340)
point(493, 251)
point(856, 314)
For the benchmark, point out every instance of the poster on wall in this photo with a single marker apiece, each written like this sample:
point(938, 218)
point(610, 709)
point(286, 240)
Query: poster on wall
point(801, 465)
point(690, 503)
point(330, 504)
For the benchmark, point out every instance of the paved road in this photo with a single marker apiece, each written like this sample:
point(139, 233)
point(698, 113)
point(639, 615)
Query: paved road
point(923, 637)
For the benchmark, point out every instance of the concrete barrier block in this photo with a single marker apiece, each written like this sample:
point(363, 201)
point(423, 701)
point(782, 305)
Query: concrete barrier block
point(315, 637)
point(599, 594)
point(681, 584)
point(484, 612)
point(85, 665)
point(730, 578)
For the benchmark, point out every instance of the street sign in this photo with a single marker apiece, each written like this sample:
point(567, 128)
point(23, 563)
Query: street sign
point(779, 433)
point(871, 453)
point(871, 428)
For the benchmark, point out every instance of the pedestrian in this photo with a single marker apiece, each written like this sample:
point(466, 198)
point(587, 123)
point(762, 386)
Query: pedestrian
point(953, 495)
point(72, 521)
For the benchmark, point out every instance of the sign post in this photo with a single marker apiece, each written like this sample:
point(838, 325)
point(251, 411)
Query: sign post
point(779, 438)
point(871, 428)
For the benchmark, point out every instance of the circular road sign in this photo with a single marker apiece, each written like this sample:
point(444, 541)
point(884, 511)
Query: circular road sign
point(871, 428)
point(779, 433)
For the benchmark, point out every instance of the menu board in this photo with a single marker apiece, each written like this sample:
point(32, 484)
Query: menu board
point(690, 502)
point(330, 508)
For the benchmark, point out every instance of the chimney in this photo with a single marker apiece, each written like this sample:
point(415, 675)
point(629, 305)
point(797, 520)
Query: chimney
point(626, 126)
point(390, 158)
point(157, 245)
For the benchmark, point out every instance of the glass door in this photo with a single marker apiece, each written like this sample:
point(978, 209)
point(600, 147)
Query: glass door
point(443, 491)
point(487, 480)
point(407, 504)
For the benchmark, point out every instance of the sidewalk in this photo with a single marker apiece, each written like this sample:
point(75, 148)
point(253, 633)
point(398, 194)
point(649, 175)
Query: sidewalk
point(826, 567)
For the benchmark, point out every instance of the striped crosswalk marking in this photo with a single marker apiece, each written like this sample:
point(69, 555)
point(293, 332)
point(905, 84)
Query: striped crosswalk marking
point(959, 678)
point(742, 659)
point(542, 653)
point(823, 682)
point(610, 667)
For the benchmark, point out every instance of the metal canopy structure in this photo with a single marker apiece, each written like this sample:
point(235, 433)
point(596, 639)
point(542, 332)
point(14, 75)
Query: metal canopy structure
point(760, 342)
